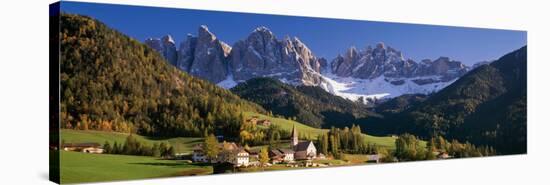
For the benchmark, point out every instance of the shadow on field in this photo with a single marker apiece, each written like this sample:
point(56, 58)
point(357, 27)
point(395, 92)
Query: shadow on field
point(162, 164)
point(172, 164)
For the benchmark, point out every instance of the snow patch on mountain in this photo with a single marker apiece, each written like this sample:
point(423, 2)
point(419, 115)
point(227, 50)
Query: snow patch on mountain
point(377, 88)
point(228, 83)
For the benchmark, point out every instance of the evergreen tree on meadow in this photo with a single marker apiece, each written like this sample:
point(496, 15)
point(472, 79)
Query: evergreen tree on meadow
point(107, 147)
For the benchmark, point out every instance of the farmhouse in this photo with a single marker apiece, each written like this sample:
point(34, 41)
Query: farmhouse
point(229, 153)
point(288, 155)
point(242, 157)
point(443, 155)
point(83, 147)
point(264, 122)
point(253, 154)
point(199, 155)
point(373, 158)
point(276, 156)
point(253, 120)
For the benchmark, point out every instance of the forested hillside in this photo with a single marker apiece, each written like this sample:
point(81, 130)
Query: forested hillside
point(487, 106)
point(306, 104)
point(112, 82)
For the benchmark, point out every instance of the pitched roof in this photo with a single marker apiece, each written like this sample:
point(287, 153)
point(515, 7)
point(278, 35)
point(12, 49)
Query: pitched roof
point(275, 152)
point(229, 146)
point(286, 151)
point(253, 151)
point(302, 146)
point(240, 150)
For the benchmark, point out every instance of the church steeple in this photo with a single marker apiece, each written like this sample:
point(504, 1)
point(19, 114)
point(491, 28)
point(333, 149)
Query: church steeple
point(294, 136)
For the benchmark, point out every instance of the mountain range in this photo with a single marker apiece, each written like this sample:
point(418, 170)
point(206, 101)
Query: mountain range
point(367, 74)
point(110, 81)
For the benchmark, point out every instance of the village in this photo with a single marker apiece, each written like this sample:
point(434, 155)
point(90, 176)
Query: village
point(294, 152)
point(299, 154)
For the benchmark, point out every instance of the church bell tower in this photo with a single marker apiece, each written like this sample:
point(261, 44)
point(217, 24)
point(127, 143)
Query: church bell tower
point(294, 136)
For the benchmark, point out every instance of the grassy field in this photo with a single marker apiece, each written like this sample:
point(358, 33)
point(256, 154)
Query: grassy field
point(356, 158)
point(181, 144)
point(312, 133)
point(83, 167)
point(287, 125)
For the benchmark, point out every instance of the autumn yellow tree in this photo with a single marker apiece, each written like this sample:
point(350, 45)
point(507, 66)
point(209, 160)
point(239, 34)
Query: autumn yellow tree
point(264, 157)
point(210, 147)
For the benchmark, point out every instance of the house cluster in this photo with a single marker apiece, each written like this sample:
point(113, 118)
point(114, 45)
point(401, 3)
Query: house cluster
point(255, 121)
point(442, 155)
point(229, 152)
point(241, 157)
point(94, 148)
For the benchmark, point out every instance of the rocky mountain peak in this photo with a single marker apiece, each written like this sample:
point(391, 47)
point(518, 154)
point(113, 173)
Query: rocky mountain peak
point(352, 52)
point(154, 43)
point(202, 56)
point(263, 55)
point(165, 46)
point(205, 34)
point(167, 39)
point(383, 60)
point(380, 45)
point(263, 30)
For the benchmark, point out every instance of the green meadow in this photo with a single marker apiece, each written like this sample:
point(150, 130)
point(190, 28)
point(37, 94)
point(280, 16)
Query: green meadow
point(77, 167)
point(312, 133)
point(181, 144)
point(82, 167)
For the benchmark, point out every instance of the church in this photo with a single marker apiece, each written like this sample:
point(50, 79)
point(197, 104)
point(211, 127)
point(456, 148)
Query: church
point(303, 150)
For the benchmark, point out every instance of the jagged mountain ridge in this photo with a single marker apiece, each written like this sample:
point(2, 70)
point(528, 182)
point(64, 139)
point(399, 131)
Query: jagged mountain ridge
point(373, 73)
point(389, 62)
point(261, 54)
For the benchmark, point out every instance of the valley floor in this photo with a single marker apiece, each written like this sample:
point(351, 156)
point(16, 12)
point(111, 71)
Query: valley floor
point(78, 167)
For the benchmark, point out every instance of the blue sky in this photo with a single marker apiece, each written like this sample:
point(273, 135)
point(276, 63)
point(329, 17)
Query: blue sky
point(325, 37)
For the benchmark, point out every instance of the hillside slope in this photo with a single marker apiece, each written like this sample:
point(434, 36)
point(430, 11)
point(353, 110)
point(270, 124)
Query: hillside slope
point(487, 106)
point(312, 133)
point(112, 82)
point(309, 105)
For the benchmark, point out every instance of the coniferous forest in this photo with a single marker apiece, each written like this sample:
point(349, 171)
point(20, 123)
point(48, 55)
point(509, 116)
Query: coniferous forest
point(488, 106)
point(111, 82)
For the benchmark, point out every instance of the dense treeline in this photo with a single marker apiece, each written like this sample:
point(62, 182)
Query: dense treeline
point(487, 106)
point(408, 148)
point(134, 147)
point(112, 82)
point(346, 140)
point(400, 103)
point(306, 104)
